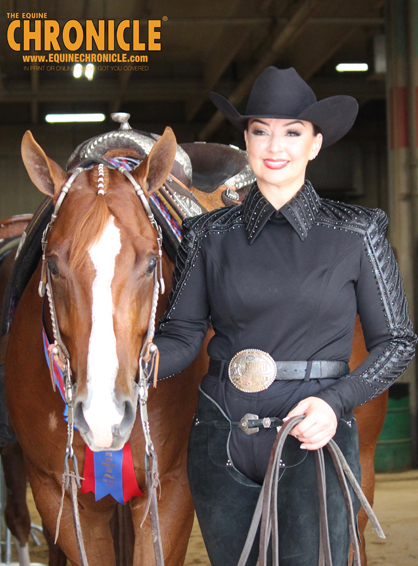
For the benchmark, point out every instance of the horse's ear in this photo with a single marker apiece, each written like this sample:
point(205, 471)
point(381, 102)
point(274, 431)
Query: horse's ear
point(45, 174)
point(154, 169)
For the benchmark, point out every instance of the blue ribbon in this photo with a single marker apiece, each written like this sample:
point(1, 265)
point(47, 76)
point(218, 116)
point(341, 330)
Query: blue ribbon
point(108, 475)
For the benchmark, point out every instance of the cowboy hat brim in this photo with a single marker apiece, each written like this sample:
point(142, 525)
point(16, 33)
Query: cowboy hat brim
point(334, 116)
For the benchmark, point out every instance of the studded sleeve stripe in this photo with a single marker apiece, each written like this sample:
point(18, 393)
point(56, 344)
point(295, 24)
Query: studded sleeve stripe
point(388, 332)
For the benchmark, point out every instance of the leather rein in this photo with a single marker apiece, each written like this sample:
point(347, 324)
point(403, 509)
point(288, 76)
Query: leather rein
point(147, 369)
point(266, 516)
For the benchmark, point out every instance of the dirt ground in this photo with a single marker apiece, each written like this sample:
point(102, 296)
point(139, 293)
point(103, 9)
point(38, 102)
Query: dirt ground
point(396, 506)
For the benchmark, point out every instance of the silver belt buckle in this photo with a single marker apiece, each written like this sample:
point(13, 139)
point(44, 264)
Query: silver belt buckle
point(252, 370)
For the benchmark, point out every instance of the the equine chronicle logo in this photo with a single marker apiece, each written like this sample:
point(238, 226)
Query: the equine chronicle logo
point(43, 41)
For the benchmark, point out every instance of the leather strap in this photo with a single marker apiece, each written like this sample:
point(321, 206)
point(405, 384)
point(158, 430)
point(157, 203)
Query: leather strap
point(291, 370)
point(266, 509)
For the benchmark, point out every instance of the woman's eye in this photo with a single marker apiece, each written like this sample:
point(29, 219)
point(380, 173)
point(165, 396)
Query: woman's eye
point(293, 133)
point(152, 265)
point(259, 132)
point(52, 266)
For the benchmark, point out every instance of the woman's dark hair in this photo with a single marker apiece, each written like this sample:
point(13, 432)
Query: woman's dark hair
point(316, 130)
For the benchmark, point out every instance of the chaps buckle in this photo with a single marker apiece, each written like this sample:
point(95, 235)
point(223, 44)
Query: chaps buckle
point(250, 424)
point(243, 424)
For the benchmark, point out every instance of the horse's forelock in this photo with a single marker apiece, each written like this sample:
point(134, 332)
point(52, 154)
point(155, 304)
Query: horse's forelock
point(88, 230)
point(92, 223)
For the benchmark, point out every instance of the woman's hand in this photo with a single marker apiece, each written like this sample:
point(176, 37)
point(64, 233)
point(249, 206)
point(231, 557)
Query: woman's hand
point(319, 425)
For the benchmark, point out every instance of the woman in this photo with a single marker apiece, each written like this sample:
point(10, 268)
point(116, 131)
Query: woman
point(282, 278)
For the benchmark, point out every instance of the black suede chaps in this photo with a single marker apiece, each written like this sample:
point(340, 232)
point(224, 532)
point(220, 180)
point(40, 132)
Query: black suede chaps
point(225, 499)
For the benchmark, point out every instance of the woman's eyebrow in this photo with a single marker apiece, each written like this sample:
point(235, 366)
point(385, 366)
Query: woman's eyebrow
point(295, 122)
point(258, 120)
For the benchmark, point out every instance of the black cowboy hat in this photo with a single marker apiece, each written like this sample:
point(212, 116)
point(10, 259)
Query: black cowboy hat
point(282, 93)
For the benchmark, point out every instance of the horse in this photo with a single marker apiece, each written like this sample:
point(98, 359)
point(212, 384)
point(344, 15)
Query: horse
point(16, 512)
point(370, 418)
point(101, 256)
point(36, 414)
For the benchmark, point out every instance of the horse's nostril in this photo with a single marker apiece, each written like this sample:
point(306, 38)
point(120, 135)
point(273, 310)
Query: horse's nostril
point(79, 419)
point(128, 418)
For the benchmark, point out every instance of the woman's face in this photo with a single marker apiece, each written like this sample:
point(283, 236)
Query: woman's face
point(279, 150)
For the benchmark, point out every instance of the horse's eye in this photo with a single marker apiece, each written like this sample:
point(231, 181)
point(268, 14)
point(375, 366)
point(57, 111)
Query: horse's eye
point(152, 265)
point(52, 266)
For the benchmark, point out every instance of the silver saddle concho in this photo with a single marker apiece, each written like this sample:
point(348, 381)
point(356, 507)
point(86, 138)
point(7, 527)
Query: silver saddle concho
point(252, 370)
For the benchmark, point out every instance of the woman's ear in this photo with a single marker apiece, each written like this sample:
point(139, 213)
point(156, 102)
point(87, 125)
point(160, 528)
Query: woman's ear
point(316, 146)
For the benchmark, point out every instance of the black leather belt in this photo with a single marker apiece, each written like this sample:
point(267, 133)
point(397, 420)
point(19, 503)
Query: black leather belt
point(287, 371)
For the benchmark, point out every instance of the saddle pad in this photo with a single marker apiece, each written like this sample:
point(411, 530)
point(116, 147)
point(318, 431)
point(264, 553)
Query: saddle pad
point(25, 263)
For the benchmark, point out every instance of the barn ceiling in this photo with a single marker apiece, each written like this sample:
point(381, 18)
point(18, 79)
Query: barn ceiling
point(205, 45)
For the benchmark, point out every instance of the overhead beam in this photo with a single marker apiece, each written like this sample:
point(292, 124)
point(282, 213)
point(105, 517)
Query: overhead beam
point(223, 52)
point(124, 76)
point(250, 22)
point(358, 87)
point(34, 76)
point(323, 48)
point(101, 91)
point(152, 90)
point(34, 86)
point(224, 49)
point(284, 37)
point(366, 21)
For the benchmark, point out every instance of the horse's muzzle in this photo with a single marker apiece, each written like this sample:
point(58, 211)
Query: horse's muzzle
point(101, 433)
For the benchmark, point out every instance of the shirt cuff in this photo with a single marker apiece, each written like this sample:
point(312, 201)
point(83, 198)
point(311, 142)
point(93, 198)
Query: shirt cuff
point(346, 394)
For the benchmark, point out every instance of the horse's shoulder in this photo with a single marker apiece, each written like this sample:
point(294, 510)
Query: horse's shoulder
point(351, 217)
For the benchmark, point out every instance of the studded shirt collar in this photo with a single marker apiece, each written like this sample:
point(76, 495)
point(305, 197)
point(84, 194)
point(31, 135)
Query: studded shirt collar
point(300, 211)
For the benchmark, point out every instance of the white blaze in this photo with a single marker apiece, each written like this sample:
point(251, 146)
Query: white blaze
point(100, 409)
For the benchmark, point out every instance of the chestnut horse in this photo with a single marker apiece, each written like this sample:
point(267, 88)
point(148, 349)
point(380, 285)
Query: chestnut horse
point(16, 512)
point(76, 254)
point(101, 253)
point(370, 418)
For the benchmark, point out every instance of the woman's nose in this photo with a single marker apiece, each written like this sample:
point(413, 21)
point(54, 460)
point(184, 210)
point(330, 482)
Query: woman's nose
point(276, 143)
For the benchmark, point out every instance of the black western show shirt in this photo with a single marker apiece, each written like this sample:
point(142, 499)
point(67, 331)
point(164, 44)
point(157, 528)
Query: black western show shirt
point(289, 282)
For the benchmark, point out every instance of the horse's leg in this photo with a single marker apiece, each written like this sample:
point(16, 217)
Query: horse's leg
point(175, 509)
point(16, 513)
point(123, 535)
point(56, 555)
point(370, 418)
point(94, 521)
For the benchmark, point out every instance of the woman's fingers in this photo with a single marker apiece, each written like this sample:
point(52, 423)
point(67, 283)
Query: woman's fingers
point(316, 445)
point(318, 426)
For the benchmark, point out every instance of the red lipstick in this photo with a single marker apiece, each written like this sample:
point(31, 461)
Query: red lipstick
point(275, 163)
